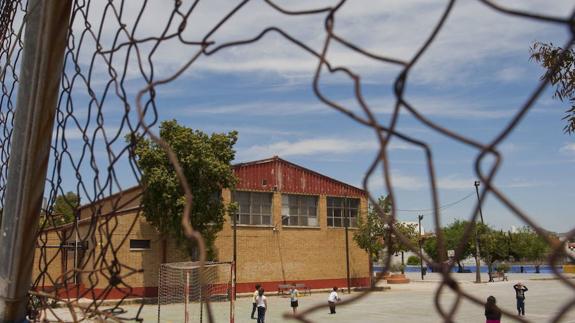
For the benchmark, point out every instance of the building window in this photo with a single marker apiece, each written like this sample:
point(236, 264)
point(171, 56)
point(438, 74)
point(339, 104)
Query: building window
point(299, 210)
point(340, 208)
point(136, 244)
point(253, 208)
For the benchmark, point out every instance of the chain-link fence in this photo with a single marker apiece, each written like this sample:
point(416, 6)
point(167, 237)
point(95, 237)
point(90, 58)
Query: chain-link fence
point(109, 89)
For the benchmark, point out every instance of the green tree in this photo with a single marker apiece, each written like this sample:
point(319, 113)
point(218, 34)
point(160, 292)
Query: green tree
point(527, 245)
point(372, 232)
point(205, 161)
point(454, 236)
point(548, 55)
point(494, 245)
point(65, 207)
point(413, 260)
point(430, 248)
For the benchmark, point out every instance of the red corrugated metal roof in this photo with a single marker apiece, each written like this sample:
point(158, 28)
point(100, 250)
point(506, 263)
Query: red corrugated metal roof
point(279, 174)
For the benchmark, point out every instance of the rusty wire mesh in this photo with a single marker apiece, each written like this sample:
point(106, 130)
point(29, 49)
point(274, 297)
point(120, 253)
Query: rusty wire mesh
point(106, 59)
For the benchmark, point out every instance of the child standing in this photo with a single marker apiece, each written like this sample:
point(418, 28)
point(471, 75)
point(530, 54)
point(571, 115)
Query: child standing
point(492, 312)
point(520, 290)
point(294, 294)
point(254, 303)
point(332, 299)
point(262, 304)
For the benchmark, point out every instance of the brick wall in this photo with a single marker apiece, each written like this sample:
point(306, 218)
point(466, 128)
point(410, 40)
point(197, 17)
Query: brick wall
point(268, 255)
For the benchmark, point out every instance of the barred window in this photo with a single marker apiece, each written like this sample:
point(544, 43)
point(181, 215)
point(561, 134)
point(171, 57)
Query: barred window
point(254, 208)
point(340, 208)
point(299, 210)
point(139, 244)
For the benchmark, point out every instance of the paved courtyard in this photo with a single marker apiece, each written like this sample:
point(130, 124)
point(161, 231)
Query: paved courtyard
point(414, 302)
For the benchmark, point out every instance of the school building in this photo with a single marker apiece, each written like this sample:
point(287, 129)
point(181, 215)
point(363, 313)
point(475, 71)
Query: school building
point(290, 229)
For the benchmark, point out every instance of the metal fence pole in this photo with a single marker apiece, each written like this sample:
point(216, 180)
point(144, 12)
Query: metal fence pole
point(347, 209)
point(45, 40)
point(419, 218)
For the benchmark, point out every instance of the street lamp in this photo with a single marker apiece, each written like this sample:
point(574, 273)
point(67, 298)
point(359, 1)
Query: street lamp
point(477, 183)
point(347, 209)
point(419, 218)
point(477, 247)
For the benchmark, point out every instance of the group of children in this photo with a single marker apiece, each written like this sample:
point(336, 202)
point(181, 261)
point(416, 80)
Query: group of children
point(260, 303)
point(493, 313)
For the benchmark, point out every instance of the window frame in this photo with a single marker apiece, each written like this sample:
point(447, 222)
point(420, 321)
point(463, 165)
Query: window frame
point(300, 202)
point(344, 205)
point(149, 243)
point(251, 215)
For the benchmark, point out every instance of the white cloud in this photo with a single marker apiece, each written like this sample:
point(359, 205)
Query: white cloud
point(307, 147)
point(449, 107)
point(511, 74)
point(257, 108)
point(399, 180)
point(451, 182)
point(568, 148)
point(430, 106)
point(473, 34)
point(454, 182)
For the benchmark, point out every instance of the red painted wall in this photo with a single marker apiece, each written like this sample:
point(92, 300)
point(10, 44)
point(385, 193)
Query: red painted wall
point(270, 287)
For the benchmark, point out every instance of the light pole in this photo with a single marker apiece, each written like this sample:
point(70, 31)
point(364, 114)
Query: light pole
point(477, 248)
point(346, 210)
point(477, 183)
point(234, 256)
point(419, 218)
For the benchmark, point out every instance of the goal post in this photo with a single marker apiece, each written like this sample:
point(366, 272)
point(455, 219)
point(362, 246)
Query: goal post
point(182, 296)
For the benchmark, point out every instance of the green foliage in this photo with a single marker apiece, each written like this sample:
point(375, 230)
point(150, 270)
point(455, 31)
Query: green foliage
point(527, 245)
point(494, 245)
point(564, 79)
point(453, 235)
point(371, 232)
point(205, 161)
point(396, 267)
point(503, 267)
point(64, 208)
point(430, 248)
point(413, 260)
point(368, 235)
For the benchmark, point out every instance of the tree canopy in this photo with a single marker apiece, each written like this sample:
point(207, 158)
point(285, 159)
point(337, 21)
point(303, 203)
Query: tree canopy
point(527, 245)
point(548, 55)
point(496, 246)
point(206, 162)
point(64, 208)
point(453, 235)
point(372, 231)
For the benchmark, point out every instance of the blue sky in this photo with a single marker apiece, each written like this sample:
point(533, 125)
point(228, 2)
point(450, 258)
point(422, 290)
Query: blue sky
point(472, 80)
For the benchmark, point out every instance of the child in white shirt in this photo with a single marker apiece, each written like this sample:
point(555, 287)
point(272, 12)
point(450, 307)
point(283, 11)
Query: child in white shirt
point(294, 294)
point(332, 299)
point(262, 304)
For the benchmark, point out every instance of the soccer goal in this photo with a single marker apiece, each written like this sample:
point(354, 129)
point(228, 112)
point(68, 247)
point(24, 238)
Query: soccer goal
point(182, 297)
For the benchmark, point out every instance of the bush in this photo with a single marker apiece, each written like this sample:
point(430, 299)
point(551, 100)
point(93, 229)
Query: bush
point(502, 267)
point(395, 267)
point(413, 260)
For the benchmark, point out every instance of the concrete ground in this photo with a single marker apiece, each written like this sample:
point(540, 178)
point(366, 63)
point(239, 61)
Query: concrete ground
point(412, 302)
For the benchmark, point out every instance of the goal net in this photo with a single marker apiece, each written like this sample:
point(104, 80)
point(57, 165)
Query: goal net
point(182, 297)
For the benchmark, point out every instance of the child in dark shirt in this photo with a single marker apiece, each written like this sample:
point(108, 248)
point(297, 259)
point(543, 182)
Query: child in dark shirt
point(492, 312)
point(520, 290)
